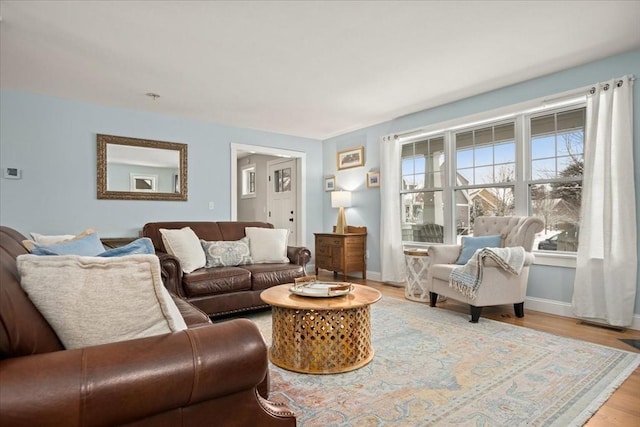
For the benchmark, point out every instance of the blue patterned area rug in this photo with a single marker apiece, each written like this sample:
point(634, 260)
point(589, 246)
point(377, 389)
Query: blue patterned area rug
point(433, 367)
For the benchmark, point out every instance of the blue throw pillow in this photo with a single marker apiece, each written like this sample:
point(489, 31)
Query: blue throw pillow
point(471, 244)
point(140, 246)
point(89, 245)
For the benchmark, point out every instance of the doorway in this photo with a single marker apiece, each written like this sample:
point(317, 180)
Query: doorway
point(298, 234)
point(281, 196)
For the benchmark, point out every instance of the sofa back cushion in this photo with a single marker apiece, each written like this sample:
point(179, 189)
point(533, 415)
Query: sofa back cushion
point(23, 330)
point(208, 231)
point(234, 230)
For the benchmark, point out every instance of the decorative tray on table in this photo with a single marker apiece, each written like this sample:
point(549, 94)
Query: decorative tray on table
point(308, 286)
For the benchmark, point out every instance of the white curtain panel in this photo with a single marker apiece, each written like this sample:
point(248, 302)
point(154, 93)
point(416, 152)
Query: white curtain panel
point(606, 268)
point(392, 264)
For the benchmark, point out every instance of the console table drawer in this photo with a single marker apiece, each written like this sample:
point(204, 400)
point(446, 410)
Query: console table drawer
point(329, 241)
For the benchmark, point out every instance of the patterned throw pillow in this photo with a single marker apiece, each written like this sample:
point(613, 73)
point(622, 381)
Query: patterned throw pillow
point(227, 254)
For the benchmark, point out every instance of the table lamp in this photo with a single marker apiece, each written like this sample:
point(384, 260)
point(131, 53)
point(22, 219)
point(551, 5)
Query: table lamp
point(341, 200)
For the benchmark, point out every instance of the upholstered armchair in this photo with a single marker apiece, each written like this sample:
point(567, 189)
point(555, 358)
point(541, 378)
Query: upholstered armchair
point(498, 286)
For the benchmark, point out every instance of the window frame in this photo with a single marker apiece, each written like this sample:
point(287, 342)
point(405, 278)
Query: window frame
point(521, 115)
point(245, 175)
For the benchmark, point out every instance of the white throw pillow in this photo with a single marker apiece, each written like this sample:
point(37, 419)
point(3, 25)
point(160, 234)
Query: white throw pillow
point(50, 240)
point(267, 244)
point(184, 245)
point(44, 240)
point(90, 301)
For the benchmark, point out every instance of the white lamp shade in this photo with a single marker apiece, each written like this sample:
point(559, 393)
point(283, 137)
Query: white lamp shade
point(340, 199)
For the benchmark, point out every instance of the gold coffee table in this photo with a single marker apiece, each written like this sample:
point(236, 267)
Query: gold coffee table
point(321, 335)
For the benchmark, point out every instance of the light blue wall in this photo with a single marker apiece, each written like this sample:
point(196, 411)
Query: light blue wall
point(553, 283)
point(53, 141)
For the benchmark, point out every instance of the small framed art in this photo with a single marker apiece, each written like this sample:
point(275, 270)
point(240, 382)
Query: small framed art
point(351, 158)
point(373, 179)
point(330, 183)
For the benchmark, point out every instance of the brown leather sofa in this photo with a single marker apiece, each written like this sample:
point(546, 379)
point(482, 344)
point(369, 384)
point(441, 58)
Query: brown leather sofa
point(209, 374)
point(224, 290)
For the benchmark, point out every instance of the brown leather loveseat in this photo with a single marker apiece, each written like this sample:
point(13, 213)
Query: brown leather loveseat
point(208, 374)
point(224, 290)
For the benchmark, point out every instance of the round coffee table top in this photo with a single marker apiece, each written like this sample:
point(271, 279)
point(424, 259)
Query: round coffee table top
point(280, 296)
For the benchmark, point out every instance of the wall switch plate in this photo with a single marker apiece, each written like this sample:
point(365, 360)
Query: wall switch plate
point(211, 206)
point(12, 173)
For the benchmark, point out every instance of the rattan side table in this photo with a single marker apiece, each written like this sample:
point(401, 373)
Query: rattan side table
point(321, 335)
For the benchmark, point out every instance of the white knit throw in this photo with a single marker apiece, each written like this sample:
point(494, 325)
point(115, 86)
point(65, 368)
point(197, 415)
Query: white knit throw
point(467, 278)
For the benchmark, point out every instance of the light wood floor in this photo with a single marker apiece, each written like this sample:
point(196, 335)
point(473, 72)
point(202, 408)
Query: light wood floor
point(623, 407)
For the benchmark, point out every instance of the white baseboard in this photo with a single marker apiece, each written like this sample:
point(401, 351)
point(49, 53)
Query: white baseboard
point(374, 275)
point(564, 309)
point(371, 275)
point(558, 308)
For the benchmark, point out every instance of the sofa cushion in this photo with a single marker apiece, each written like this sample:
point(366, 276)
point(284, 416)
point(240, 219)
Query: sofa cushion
point(184, 245)
point(227, 254)
point(90, 301)
point(264, 276)
point(268, 245)
point(217, 280)
point(471, 244)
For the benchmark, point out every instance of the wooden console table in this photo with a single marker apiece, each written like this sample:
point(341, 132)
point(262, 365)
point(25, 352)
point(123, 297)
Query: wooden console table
point(342, 252)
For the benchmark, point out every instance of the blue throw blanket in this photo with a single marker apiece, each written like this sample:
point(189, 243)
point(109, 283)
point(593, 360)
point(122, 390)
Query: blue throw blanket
point(467, 278)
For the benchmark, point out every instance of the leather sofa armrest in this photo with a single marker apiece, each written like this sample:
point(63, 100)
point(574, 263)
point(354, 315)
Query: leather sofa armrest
point(299, 255)
point(444, 254)
point(122, 382)
point(171, 272)
point(191, 314)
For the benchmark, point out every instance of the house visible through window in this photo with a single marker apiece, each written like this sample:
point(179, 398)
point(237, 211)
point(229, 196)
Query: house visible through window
point(485, 174)
point(557, 163)
point(530, 164)
point(422, 183)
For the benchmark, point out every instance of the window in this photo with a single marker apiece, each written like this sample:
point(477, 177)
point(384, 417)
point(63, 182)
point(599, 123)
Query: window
point(282, 180)
point(555, 188)
point(485, 174)
point(248, 181)
point(422, 184)
point(528, 164)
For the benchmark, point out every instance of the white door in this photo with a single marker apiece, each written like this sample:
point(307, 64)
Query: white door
point(281, 201)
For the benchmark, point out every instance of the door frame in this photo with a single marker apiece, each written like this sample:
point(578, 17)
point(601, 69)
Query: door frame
point(301, 163)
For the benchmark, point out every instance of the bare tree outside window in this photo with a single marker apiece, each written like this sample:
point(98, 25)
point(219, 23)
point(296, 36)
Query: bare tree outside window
point(557, 167)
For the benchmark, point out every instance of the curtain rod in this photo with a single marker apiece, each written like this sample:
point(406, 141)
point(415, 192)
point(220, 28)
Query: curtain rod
point(563, 96)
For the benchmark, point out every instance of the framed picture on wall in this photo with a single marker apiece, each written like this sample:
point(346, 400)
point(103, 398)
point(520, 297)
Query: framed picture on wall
point(351, 158)
point(330, 183)
point(373, 179)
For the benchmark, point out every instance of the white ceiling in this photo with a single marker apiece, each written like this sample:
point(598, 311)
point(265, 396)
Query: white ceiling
point(313, 69)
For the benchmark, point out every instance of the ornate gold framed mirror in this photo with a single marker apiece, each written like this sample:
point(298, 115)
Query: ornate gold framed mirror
point(141, 169)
